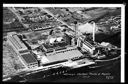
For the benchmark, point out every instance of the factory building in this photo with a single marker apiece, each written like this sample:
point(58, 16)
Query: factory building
point(22, 51)
point(63, 55)
point(16, 43)
point(29, 60)
point(85, 45)
point(57, 43)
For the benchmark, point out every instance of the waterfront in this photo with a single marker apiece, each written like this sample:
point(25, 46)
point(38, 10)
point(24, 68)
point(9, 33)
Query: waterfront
point(109, 73)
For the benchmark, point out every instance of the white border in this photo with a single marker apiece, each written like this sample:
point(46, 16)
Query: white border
point(62, 5)
point(122, 43)
point(89, 5)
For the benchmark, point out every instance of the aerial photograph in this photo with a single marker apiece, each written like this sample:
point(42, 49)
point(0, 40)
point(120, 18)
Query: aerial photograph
point(61, 44)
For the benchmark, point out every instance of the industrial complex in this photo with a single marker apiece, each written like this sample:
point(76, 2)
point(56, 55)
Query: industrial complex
point(49, 42)
point(57, 47)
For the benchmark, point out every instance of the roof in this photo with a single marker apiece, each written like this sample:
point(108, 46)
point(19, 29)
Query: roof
point(29, 58)
point(88, 44)
point(17, 42)
point(67, 54)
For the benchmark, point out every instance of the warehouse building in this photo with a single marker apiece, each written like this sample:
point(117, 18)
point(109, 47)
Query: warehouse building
point(22, 51)
point(16, 43)
point(29, 60)
point(66, 54)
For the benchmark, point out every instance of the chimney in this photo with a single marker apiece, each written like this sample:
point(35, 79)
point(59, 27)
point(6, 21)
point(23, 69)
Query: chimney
point(94, 27)
point(75, 22)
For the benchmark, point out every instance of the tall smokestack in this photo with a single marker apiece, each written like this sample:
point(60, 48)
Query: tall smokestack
point(94, 27)
point(75, 22)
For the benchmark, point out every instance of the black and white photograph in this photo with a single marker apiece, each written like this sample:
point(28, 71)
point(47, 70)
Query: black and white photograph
point(81, 43)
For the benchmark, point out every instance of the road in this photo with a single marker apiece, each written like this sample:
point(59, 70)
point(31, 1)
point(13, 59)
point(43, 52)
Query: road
point(18, 16)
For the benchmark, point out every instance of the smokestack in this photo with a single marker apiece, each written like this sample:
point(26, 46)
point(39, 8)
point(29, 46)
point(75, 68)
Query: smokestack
point(75, 22)
point(94, 27)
